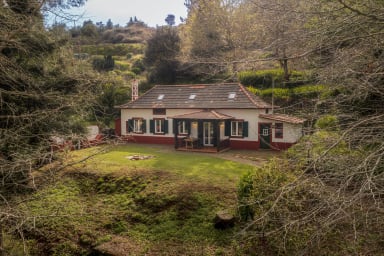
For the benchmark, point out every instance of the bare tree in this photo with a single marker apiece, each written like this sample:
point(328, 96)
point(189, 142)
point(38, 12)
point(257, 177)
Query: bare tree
point(333, 204)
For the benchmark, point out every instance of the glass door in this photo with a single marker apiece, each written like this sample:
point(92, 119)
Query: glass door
point(208, 134)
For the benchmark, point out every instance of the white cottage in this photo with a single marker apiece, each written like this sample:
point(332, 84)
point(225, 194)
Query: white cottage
point(206, 117)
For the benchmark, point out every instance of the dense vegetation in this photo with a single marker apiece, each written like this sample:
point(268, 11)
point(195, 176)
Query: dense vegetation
point(321, 60)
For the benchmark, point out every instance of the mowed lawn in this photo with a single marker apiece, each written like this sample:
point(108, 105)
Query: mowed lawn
point(163, 205)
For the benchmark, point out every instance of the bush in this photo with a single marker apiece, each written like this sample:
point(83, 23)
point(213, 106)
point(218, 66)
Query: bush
point(263, 78)
point(327, 122)
point(307, 91)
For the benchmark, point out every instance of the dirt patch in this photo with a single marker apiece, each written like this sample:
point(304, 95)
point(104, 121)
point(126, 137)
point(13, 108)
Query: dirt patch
point(251, 157)
point(119, 246)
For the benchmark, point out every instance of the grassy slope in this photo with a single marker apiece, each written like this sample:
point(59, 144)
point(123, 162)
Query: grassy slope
point(159, 206)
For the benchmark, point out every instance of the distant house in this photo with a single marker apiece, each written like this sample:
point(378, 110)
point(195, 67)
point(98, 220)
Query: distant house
point(210, 117)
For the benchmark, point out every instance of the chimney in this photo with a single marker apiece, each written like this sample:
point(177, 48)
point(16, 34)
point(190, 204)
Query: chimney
point(135, 90)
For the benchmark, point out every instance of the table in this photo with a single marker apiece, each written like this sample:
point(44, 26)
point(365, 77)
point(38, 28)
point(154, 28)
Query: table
point(189, 142)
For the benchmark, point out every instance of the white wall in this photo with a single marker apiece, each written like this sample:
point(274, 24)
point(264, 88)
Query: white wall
point(291, 132)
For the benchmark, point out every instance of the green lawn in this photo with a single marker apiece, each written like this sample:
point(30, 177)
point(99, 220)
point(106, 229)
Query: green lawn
point(158, 206)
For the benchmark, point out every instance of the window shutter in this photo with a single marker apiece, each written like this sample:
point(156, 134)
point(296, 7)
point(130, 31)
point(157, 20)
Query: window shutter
point(151, 126)
point(188, 126)
point(144, 126)
point(245, 129)
point(129, 125)
point(165, 126)
point(227, 131)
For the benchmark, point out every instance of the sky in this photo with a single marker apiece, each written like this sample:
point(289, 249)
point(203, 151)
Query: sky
point(151, 12)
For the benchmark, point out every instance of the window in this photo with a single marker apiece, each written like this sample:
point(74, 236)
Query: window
point(159, 125)
point(192, 96)
point(160, 97)
point(182, 128)
point(278, 130)
point(231, 95)
point(159, 111)
point(137, 125)
point(237, 128)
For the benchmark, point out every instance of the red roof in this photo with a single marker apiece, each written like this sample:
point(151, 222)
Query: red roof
point(283, 118)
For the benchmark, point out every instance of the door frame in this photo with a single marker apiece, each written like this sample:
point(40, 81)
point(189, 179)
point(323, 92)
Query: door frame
point(210, 133)
point(269, 125)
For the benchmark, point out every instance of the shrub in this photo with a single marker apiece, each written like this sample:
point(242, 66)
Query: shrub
point(263, 78)
point(327, 122)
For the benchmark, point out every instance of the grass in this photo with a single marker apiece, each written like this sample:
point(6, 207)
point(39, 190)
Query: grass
point(159, 206)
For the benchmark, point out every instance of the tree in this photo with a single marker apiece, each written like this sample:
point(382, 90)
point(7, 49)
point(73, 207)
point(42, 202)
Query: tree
point(42, 96)
point(338, 184)
point(161, 55)
point(170, 20)
point(109, 24)
point(89, 29)
point(107, 63)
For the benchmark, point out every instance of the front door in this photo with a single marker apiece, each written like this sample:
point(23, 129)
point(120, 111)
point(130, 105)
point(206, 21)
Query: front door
point(208, 134)
point(265, 136)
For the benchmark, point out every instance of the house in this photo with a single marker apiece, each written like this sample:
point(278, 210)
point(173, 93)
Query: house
point(206, 116)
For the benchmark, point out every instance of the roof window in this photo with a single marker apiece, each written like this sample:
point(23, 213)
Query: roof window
point(192, 96)
point(231, 95)
point(160, 97)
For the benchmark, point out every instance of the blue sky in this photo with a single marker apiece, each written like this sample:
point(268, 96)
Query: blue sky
point(152, 12)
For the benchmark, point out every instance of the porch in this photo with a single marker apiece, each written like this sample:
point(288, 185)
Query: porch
point(202, 131)
point(192, 145)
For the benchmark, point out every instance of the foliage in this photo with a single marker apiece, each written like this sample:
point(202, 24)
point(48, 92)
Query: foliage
point(160, 55)
point(165, 203)
point(113, 49)
point(107, 63)
point(265, 78)
point(112, 94)
point(327, 122)
point(244, 194)
point(43, 96)
point(305, 91)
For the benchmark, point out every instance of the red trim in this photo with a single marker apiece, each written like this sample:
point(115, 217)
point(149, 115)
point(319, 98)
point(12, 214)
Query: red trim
point(244, 144)
point(234, 144)
point(277, 136)
point(118, 127)
point(281, 145)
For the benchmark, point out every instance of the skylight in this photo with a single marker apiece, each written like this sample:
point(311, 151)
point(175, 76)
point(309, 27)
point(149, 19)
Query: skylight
point(160, 97)
point(192, 96)
point(231, 95)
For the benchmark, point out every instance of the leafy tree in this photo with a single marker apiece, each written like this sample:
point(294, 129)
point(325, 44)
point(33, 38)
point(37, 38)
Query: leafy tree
point(89, 29)
point(112, 94)
point(109, 24)
point(170, 19)
point(42, 96)
point(161, 55)
point(106, 63)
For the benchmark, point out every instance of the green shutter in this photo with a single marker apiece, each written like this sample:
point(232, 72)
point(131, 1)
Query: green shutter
point(188, 126)
point(245, 129)
point(144, 126)
point(129, 125)
point(165, 126)
point(227, 131)
point(174, 125)
point(151, 126)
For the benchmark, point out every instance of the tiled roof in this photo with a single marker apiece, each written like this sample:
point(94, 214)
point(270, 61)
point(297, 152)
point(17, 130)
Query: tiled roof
point(283, 118)
point(198, 96)
point(203, 115)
